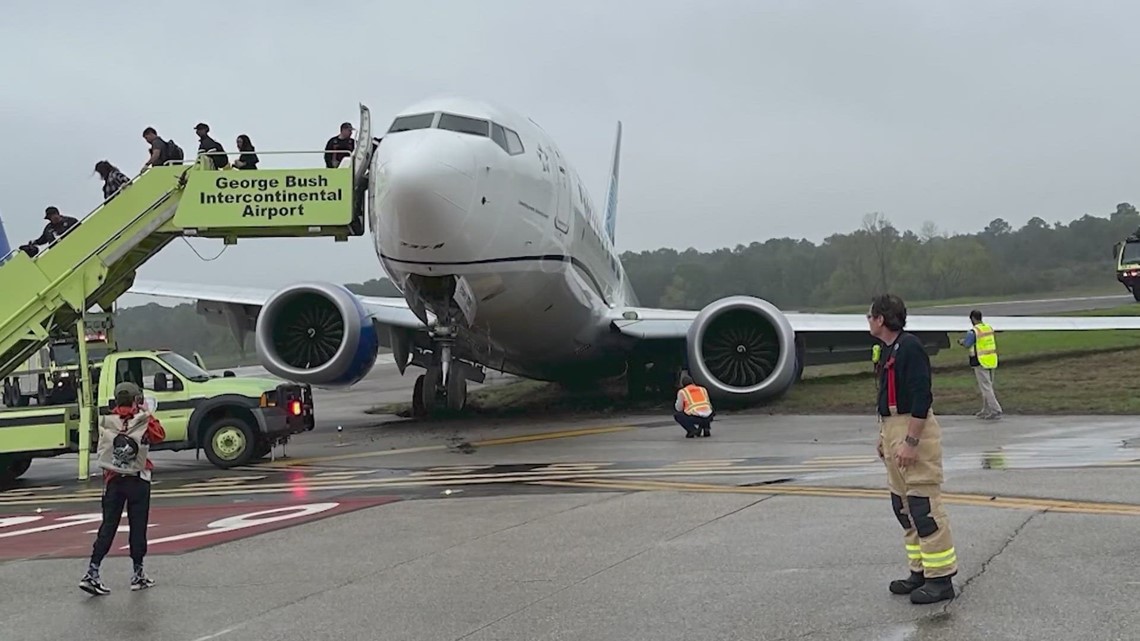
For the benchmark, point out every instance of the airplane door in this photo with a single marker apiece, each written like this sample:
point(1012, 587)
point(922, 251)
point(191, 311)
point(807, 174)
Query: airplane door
point(362, 153)
point(562, 214)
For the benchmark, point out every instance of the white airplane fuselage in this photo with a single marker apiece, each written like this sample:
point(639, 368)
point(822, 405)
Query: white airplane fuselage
point(510, 218)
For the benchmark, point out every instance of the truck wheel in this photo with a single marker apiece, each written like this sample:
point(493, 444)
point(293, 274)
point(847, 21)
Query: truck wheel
point(229, 442)
point(14, 468)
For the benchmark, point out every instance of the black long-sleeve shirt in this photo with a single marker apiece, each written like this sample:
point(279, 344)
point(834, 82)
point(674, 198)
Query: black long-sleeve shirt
point(911, 368)
point(339, 149)
point(52, 232)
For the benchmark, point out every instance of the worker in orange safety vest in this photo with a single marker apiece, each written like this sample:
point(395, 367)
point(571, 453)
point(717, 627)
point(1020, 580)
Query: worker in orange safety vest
point(693, 410)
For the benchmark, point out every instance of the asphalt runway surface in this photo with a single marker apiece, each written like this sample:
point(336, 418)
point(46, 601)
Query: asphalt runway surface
point(604, 528)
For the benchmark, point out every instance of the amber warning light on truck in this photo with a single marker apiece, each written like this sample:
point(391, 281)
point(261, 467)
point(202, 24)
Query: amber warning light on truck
point(307, 197)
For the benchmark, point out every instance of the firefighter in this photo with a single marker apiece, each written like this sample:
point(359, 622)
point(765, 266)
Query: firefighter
point(910, 445)
point(692, 410)
point(984, 359)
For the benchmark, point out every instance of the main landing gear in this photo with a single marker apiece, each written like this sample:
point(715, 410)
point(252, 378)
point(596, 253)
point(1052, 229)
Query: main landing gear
point(444, 383)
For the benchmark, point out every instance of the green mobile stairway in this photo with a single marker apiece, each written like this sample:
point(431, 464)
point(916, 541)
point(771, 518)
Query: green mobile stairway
point(95, 262)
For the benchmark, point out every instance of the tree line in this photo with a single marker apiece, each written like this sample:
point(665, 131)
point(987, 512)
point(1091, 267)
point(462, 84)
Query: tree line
point(843, 269)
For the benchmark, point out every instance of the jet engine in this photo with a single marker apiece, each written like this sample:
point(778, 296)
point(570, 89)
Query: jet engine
point(742, 349)
point(316, 333)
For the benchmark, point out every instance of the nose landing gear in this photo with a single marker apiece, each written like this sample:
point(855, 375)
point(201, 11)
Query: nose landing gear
point(444, 383)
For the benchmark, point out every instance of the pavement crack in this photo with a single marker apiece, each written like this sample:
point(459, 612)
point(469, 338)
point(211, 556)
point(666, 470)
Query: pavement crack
point(986, 564)
point(610, 566)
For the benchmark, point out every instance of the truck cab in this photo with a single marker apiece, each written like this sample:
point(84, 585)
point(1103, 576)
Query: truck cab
point(1127, 256)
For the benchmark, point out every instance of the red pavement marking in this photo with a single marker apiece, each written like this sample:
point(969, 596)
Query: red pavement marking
point(173, 530)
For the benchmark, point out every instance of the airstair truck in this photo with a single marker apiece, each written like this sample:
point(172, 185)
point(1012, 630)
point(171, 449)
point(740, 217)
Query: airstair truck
point(95, 263)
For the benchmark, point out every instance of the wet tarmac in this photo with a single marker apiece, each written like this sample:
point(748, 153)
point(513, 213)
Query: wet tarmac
point(610, 528)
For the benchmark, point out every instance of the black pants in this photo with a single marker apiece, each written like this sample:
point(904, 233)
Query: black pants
point(134, 493)
point(692, 423)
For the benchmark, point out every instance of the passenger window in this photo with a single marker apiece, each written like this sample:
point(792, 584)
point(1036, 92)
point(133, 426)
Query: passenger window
point(408, 123)
point(514, 143)
point(144, 373)
point(499, 136)
point(464, 125)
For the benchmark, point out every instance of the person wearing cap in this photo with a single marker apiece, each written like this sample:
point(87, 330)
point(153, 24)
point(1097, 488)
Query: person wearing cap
point(126, 434)
point(56, 227)
point(208, 145)
point(340, 146)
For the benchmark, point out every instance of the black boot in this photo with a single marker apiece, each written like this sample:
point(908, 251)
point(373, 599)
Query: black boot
point(705, 430)
point(933, 591)
point(908, 585)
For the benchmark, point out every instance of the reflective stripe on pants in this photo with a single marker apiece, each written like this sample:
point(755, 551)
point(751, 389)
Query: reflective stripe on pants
point(916, 497)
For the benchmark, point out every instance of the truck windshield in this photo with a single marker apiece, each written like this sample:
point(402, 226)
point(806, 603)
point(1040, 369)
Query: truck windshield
point(1131, 253)
point(185, 367)
point(64, 354)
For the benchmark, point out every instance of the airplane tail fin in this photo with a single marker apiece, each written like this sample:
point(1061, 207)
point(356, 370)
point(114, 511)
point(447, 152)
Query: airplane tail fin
point(611, 195)
point(4, 246)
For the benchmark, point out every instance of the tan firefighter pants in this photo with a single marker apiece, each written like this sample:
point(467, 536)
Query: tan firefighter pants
point(916, 495)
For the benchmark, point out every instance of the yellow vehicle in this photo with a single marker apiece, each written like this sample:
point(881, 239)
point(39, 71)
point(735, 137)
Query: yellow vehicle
point(234, 420)
point(1127, 256)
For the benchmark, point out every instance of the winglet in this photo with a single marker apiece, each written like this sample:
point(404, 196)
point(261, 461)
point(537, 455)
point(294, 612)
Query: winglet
point(5, 248)
point(611, 196)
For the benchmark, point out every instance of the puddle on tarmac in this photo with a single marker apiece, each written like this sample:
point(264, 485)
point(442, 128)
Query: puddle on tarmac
point(1087, 448)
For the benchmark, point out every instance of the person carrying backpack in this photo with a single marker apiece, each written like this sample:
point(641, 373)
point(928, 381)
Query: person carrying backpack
point(125, 437)
point(162, 152)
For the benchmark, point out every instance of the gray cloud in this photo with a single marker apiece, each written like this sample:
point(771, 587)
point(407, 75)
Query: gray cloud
point(744, 120)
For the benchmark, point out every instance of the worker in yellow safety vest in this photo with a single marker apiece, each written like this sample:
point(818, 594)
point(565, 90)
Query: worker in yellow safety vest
point(693, 410)
point(984, 359)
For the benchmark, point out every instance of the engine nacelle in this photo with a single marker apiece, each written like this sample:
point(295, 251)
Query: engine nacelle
point(316, 333)
point(742, 349)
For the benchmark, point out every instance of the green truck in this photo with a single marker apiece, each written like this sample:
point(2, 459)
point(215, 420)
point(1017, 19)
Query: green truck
point(234, 420)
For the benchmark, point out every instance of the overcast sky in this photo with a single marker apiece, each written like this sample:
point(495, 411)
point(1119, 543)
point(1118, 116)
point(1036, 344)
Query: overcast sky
point(743, 120)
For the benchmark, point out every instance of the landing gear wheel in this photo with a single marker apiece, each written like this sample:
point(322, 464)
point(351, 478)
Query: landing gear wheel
point(418, 408)
point(229, 442)
point(456, 392)
point(429, 394)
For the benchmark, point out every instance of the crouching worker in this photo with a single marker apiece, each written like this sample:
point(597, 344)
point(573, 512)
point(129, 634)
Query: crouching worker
point(693, 411)
point(125, 437)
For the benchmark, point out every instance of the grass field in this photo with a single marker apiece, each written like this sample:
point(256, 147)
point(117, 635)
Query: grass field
point(1039, 373)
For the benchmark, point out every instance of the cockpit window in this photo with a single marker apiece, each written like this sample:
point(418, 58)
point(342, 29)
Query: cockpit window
point(506, 139)
point(514, 143)
point(407, 123)
point(464, 125)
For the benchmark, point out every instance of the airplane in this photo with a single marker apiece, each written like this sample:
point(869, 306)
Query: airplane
point(504, 263)
point(5, 246)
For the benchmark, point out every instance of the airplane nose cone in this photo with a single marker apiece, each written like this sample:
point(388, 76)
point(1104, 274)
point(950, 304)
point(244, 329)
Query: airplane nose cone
point(429, 189)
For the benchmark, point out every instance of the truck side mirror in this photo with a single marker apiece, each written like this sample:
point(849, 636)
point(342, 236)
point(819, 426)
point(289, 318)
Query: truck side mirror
point(160, 383)
point(1116, 250)
point(198, 360)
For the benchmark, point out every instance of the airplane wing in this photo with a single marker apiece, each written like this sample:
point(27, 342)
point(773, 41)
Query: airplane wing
point(213, 298)
point(650, 323)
